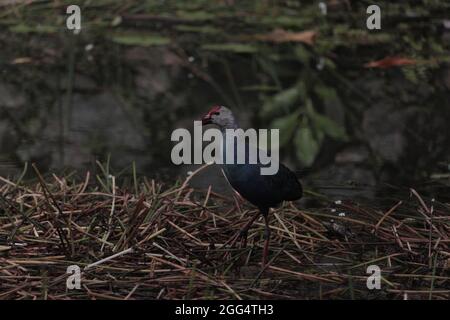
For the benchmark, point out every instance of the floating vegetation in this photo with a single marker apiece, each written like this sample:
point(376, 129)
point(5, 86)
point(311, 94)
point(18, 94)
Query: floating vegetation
point(135, 39)
point(153, 241)
point(231, 47)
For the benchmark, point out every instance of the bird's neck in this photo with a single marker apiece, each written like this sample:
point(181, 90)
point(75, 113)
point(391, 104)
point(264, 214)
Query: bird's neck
point(231, 125)
point(229, 142)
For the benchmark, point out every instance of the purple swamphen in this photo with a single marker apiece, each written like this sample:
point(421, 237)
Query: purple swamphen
point(263, 191)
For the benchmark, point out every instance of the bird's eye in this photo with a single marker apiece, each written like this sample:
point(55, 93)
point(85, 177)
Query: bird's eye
point(215, 113)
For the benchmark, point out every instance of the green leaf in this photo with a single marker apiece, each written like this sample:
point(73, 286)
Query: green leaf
point(302, 53)
point(326, 125)
point(262, 88)
point(283, 100)
point(282, 21)
point(326, 93)
point(195, 15)
point(140, 40)
point(198, 29)
point(23, 28)
point(231, 47)
point(307, 147)
point(287, 126)
point(269, 67)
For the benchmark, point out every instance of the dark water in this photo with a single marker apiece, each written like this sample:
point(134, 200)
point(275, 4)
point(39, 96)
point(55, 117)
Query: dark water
point(120, 108)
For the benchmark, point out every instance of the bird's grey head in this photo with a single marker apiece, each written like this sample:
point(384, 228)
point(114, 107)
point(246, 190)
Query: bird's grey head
point(220, 116)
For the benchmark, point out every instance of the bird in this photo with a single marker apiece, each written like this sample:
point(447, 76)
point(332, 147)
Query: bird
point(263, 191)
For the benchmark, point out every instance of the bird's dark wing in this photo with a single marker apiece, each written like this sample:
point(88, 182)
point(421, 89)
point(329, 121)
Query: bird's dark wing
point(263, 190)
point(286, 184)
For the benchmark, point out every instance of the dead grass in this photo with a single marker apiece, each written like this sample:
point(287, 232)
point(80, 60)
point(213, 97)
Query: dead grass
point(159, 242)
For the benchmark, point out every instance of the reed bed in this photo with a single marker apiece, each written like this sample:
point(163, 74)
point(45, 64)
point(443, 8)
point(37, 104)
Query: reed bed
point(149, 241)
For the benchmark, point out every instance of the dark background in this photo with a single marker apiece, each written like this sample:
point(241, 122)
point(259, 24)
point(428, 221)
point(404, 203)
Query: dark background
point(354, 106)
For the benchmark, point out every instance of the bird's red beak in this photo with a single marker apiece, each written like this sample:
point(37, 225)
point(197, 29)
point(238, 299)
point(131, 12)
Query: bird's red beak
point(206, 119)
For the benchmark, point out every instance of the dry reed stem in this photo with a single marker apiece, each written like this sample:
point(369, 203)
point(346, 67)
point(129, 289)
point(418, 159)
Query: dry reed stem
point(166, 243)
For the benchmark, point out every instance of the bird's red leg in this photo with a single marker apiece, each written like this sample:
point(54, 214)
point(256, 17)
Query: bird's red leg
point(243, 232)
point(266, 241)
